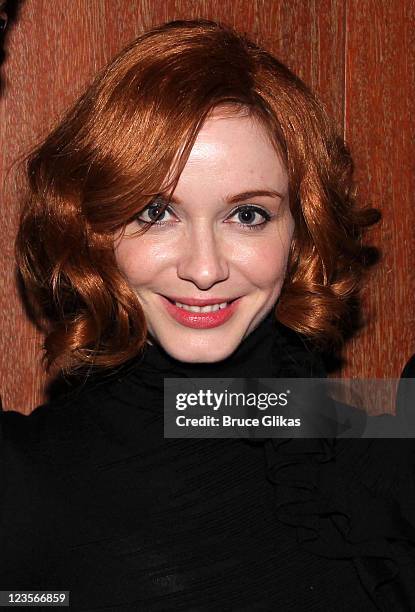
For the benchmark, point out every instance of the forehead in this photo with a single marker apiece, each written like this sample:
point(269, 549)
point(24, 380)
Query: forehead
point(233, 151)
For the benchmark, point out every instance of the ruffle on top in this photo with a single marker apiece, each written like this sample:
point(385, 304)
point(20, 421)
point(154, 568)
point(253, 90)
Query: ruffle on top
point(347, 498)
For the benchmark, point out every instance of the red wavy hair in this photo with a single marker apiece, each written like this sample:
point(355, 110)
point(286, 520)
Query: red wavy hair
point(109, 156)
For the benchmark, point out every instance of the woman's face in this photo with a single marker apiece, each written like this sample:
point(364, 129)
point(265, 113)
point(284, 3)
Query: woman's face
point(225, 235)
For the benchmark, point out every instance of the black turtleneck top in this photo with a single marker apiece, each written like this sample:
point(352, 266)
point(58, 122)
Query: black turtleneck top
point(95, 501)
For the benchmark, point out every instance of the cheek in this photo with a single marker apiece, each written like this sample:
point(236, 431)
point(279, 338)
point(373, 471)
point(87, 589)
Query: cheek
point(264, 261)
point(271, 264)
point(136, 262)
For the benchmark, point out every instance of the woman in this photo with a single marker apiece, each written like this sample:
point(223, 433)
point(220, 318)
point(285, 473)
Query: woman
point(195, 170)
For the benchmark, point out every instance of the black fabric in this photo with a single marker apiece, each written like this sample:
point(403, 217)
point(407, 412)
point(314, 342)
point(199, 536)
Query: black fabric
point(409, 369)
point(94, 500)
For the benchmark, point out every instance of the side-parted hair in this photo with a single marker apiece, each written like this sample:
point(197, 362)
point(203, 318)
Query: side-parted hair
point(108, 159)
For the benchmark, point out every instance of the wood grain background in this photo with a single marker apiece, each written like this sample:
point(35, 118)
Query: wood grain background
point(358, 55)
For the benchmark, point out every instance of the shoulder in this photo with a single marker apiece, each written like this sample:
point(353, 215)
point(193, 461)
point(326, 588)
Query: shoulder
point(61, 429)
point(51, 415)
point(43, 458)
point(409, 369)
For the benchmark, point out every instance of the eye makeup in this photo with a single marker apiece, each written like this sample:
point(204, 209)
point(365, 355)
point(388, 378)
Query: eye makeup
point(242, 209)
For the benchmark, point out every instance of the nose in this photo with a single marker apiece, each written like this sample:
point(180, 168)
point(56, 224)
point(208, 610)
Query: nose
point(202, 259)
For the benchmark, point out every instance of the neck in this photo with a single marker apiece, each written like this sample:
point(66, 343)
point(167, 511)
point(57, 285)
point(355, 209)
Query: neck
point(250, 358)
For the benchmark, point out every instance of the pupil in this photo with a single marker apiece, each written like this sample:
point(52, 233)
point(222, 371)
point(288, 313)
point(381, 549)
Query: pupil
point(247, 215)
point(155, 210)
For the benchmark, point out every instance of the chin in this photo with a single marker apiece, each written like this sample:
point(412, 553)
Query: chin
point(199, 354)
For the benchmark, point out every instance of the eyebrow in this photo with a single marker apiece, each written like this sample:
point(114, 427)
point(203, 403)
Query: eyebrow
point(245, 195)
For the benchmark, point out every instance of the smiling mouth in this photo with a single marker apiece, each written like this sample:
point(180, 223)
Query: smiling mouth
point(201, 309)
point(211, 315)
point(209, 306)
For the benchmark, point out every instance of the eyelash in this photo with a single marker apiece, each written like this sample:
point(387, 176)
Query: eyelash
point(243, 208)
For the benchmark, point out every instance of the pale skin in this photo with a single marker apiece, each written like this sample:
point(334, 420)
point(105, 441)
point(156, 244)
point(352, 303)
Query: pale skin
point(203, 247)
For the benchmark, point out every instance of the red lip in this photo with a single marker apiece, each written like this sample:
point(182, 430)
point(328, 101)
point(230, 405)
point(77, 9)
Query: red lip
point(200, 320)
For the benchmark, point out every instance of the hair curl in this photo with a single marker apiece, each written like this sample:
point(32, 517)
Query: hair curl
point(110, 154)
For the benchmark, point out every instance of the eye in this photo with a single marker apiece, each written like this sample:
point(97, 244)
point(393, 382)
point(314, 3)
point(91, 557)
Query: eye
point(152, 211)
point(250, 216)
point(247, 215)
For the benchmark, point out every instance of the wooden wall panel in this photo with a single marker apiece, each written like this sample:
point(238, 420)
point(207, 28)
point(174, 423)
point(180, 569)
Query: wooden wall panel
point(380, 127)
point(55, 48)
